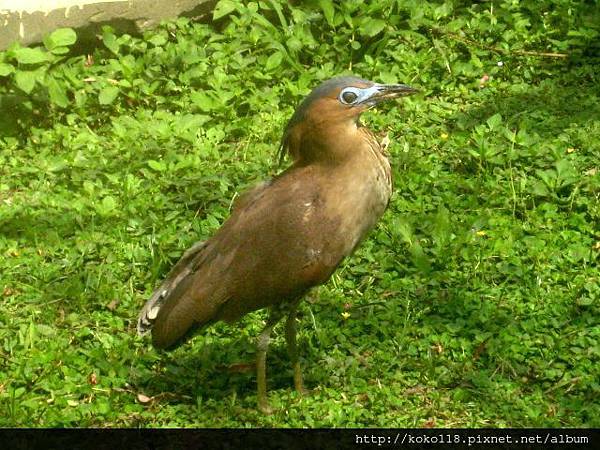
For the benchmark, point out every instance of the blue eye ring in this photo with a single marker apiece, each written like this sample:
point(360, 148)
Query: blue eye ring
point(349, 96)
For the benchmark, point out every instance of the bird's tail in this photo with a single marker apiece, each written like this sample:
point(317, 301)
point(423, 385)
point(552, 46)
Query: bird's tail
point(150, 311)
point(181, 270)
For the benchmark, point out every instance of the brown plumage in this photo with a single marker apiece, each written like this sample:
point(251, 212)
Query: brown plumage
point(288, 234)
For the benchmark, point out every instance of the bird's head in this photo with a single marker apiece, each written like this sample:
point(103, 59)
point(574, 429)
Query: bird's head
point(331, 106)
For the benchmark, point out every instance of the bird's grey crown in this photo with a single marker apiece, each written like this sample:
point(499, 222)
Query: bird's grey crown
point(322, 90)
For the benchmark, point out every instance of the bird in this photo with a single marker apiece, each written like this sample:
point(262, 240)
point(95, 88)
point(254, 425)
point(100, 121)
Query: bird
point(288, 234)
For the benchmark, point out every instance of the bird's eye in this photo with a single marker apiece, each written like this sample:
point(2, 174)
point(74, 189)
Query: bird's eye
point(349, 97)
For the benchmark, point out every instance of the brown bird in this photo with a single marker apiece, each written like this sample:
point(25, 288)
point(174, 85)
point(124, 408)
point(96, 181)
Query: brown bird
point(288, 234)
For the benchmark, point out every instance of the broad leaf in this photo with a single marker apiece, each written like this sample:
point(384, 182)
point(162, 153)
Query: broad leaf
point(6, 69)
point(60, 38)
point(30, 55)
point(25, 80)
point(223, 8)
point(108, 95)
point(57, 92)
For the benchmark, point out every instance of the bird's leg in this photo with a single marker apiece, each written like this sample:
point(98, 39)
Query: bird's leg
point(261, 362)
point(290, 338)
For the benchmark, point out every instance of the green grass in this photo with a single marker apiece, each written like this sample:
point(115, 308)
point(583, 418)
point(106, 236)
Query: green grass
point(475, 302)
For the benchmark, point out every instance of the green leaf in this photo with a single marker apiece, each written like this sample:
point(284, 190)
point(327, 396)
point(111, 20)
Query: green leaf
point(158, 40)
point(294, 44)
point(223, 8)
point(60, 38)
point(328, 11)
point(494, 121)
point(157, 165)
point(419, 258)
point(60, 50)
point(273, 61)
point(371, 27)
point(106, 206)
point(403, 229)
point(25, 80)
point(108, 95)
point(57, 93)
point(564, 167)
point(109, 202)
point(442, 11)
point(30, 55)
point(202, 100)
point(277, 7)
point(547, 176)
point(110, 40)
point(6, 69)
point(442, 229)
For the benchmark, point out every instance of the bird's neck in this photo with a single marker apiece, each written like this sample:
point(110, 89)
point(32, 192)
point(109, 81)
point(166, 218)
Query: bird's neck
point(331, 144)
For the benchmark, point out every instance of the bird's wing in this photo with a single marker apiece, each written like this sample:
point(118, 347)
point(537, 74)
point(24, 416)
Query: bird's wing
point(182, 269)
point(266, 252)
point(191, 293)
point(249, 197)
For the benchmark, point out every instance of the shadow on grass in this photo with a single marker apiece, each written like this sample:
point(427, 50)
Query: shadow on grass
point(220, 371)
point(548, 107)
point(33, 224)
point(218, 363)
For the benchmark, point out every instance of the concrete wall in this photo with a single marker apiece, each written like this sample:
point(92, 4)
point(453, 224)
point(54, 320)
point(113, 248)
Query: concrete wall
point(28, 21)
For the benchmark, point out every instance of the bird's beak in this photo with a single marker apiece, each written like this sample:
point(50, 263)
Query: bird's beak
point(382, 92)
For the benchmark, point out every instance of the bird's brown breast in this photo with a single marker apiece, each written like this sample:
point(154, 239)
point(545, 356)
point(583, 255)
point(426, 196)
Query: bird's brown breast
point(366, 191)
point(297, 230)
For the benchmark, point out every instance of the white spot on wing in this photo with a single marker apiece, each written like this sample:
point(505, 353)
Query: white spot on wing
point(308, 212)
point(153, 312)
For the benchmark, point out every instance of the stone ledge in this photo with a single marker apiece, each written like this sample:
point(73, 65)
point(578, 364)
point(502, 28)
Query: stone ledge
point(28, 21)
